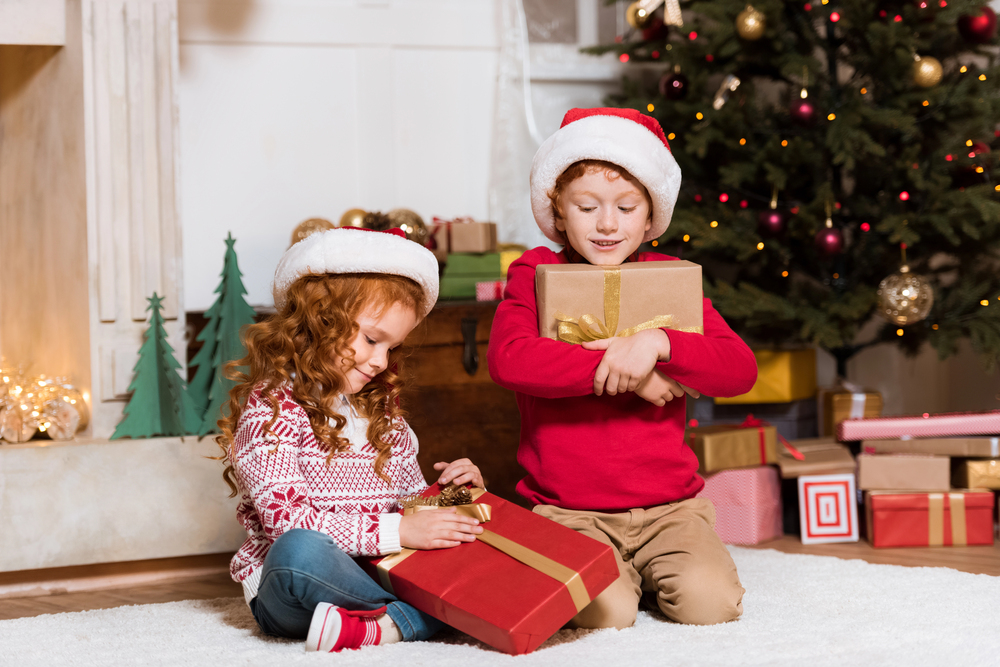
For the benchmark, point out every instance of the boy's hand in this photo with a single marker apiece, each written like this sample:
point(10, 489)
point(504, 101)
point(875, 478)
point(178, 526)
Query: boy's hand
point(459, 472)
point(659, 389)
point(628, 361)
point(437, 529)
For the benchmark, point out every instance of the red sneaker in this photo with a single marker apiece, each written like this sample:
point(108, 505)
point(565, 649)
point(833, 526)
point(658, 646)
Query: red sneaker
point(333, 629)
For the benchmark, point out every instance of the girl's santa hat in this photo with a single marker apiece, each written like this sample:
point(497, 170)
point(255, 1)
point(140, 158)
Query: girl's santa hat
point(353, 250)
point(625, 137)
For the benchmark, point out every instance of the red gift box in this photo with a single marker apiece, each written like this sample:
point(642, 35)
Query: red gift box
point(920, 426)
point(490, 290)
point(747, 504)
point(955, 518)
point(515, 586)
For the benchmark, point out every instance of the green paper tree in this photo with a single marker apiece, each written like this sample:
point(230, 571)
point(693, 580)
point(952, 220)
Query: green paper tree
point(160, 404)
point(831, 126)
point(209, 389)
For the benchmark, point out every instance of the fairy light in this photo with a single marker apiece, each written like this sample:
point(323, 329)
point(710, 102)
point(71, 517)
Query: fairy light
point(650, 107)
point(687, 237)
point(926, 103)
point(699, 115)
point(904, 195)
point(723, 197)
point(984, 302)
point(982, 77)
point(784, 142)
point(865, 226)
point(743, 142)
point(671, 136)
point(692, 35)
point(834, 17)
point(623, 57)
point(979, 170)
point(963, 69)
point(760, 245)
point(836, 276)
point(899, 332)
point(832, 116)
point(949, 158)
point(934, 326)
point(864, 91)
point(713, 224)
point(972, 154)
point(997, 188)
point(968, 142)
point(655, 243)
point(784, 274)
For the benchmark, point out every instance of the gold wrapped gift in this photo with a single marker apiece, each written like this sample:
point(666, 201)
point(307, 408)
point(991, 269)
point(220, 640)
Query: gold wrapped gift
point(973, 474)
point(722, 447)
point(840, 404)
point(782, 376)
point(821, 456)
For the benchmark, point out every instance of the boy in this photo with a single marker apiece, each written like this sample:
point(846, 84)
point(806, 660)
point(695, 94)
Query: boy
point(602, 439)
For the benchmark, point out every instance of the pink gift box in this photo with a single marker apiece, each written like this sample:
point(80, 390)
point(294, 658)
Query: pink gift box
point(920, 426)
point(490, 290)
point(747, 504)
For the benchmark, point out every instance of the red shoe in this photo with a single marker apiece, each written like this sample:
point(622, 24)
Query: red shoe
point(333, 629)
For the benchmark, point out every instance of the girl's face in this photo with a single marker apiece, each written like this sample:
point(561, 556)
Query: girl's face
point(377, 335)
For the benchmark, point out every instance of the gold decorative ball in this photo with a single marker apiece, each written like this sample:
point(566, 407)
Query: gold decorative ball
point(904, 297)
point(17, 424)
point(353, 218)
point(310, 227)
point(927, 71)
point(411, 223)
point(636, 17)
point(750, 24)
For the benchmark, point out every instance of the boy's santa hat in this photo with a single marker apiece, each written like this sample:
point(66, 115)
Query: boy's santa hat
point(353, 250)
point(624, 137)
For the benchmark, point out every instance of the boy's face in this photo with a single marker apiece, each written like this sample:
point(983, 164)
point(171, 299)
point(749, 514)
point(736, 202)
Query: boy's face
point(603, 218)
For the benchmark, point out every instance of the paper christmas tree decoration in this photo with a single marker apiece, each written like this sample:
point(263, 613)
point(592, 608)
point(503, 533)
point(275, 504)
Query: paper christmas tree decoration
point(160, 404)
point(209, 389)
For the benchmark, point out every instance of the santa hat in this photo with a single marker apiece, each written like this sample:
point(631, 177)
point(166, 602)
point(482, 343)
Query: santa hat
point(625, 137)
point(352, 250)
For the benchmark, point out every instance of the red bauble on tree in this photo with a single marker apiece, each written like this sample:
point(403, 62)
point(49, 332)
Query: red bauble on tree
point(829, 241)
point(771, 223)
point(803, 111)
point(674, 86)
point(979, 27)
point(655, 30)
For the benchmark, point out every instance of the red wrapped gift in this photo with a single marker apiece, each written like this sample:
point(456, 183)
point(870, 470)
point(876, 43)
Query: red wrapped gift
point(490, 290)
point(956, 518)
point(920, 426)
point(515, 586)
point(747, 504)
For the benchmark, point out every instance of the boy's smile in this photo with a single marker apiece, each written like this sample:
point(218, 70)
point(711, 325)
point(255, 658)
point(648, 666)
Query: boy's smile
point(604, 217)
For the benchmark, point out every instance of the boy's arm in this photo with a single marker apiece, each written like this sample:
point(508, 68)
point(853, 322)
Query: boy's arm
point(717, 363)
point(521, 360)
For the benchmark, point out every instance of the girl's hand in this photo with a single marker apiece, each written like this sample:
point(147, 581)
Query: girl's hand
point(437, 529)
point(628, 361)
point(459, 472)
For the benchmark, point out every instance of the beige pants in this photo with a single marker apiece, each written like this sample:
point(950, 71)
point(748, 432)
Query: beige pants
point(671, 551)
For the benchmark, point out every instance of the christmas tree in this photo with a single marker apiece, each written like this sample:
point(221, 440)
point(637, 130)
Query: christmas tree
point(160, 404)
point(827, 146)
point(209, 388)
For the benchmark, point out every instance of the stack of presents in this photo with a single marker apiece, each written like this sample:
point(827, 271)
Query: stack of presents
point(826, 465)
point(475, 265)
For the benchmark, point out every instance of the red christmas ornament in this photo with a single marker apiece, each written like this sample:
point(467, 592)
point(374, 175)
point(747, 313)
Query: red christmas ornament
point(979, 27)
point(655, 30)
point(674, 86)
point(829, 241)
point(979, 147)
point(771, 222)
point(803, 111)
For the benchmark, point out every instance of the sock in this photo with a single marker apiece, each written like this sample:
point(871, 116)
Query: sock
point(390, 631)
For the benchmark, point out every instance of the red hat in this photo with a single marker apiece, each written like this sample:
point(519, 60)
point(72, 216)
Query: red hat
point(625, 137)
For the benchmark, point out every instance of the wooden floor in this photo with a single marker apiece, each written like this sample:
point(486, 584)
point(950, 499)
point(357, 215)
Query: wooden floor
point(38, 592)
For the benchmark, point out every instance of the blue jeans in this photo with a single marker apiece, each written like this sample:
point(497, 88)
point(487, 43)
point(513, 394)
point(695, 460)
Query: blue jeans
point(304, 568)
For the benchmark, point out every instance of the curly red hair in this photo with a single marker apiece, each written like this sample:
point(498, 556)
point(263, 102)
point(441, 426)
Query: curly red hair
point(299, 347)
point(611, 170)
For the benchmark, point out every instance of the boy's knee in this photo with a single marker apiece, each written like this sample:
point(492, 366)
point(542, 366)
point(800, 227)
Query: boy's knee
point(616, 607)
point(702, 598)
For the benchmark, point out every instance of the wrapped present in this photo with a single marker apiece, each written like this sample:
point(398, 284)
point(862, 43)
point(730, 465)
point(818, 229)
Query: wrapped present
point(956, 518)
point(490, 290)
point(821, 456)
point(782, 376)
point(910, 472)
point(747, 504)
point(521, 580)
point(794, 420)
point(984, 474)
point(462, 235)
point(840, 403)
point(464, 271)
point(920, 426)
point(578, 302)
point(508, 253)
point(723, 446)
point(828, 509)
point(984, 447)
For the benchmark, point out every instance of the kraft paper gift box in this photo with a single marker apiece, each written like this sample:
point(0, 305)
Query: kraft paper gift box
point(747, 504)
point(984, 474)
point(782, 376)
point(723, 447)
point(521, 580)
point(823, 456)
point(982, 447)
point(956, 518)
point(840, 404)
point(910, 472)
point(618, 299)
point(920, 426)
point(462, 235)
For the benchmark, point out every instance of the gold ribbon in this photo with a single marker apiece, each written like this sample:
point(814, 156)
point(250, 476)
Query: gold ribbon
point(588, 327)
point(536, 561)
point(935, 519)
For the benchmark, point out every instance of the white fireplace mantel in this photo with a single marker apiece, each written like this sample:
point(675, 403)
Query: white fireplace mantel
point(34, 22)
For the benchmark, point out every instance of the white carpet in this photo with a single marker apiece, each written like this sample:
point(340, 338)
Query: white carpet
point(805, 611)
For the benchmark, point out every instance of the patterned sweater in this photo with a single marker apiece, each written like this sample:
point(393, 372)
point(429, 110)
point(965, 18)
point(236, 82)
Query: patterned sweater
point(285, 483)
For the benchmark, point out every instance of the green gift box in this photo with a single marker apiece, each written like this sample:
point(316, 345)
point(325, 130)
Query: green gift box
point(463, 263)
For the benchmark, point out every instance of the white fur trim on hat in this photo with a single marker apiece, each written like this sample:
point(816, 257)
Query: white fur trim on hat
point(347, 250)
point(613, 139)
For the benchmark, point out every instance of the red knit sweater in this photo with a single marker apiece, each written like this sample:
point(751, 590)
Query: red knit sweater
point(604, 453)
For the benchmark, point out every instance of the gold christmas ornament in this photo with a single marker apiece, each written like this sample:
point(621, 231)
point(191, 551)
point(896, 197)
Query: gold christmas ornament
point(411, 224)
point(927, 71)
point(353, 218)
point(29, 405)
point(16, 421)
point(310, 227)
point(750, 24)
point(637, 15)
point(728, 86)
point(904, 297)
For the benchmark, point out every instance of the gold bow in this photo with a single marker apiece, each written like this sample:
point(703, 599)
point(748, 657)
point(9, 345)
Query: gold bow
point(588, 327)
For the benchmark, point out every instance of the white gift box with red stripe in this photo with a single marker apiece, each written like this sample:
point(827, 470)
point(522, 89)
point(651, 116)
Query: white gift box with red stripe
point(828, 508)
point(747, 504)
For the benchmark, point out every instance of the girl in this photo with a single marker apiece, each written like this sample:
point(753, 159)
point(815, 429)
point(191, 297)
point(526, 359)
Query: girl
point(317, 447)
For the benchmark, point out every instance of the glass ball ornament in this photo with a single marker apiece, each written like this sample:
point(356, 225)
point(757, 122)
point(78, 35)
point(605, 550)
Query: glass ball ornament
point(927, 71)
point(829, 241)
point(17, 424)
point(771, 222)
point(411, 223)
point(750, 24)
point(674, 86)
point(636, 17)
point(309, 227)
point(904, 297)
point(354, 217)
point(979, 27)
